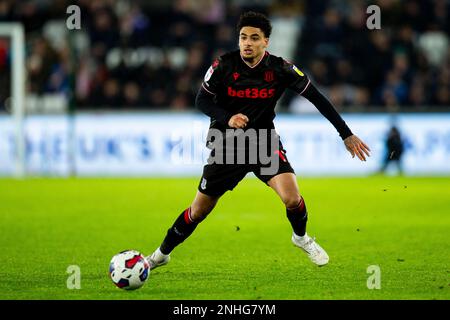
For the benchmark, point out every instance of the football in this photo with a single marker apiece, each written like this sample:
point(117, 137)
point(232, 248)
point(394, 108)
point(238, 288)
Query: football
point(129, 270)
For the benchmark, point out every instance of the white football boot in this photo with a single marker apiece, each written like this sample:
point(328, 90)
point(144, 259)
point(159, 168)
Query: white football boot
point(315, 252)
point(157, 259)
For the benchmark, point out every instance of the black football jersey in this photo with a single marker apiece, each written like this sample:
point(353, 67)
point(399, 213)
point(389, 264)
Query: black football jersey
point(252, 91)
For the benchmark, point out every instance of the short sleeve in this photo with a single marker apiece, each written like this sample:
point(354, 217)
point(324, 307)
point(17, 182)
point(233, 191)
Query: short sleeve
point(212, 79)
point(294, 78)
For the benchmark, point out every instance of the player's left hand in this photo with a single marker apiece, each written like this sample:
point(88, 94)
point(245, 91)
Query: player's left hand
point(356, 146)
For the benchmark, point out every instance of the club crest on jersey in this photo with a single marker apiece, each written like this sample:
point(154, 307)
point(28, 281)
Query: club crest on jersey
point(298, 71)
point(268, 75)
point(236, 76)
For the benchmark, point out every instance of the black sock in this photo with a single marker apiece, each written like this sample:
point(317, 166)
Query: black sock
point(297, 217)
point(180, 230)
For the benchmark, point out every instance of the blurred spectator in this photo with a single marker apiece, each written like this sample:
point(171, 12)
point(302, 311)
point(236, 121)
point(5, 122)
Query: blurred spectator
point(379, 58)
point(42, 64)
point(103, 32)
point(329, 35)
point(182, 25)
point(158, 98)
point(417, 94)
point(132, 95)
point(225, 38)
point(394, 150)
point(134, 27)
point(5, 69)
point(396, 86)
point(132, 54)
point(180, 102)
point(111, 94)
point(442, 96)
point(210, 12)
point(415, 13)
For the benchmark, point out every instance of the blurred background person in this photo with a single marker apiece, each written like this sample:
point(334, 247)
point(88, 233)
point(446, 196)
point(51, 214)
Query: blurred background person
point(394, 151)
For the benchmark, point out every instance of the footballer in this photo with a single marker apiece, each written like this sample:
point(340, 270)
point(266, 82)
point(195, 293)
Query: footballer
point(239, 94)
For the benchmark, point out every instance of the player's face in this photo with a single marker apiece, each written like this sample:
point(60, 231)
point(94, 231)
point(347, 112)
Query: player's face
point(252, 43)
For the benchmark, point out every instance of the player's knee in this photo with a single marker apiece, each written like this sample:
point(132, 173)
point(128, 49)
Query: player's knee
point(292, 201)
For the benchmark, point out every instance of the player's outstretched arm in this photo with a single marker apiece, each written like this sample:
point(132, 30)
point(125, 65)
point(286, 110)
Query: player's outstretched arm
point(353, 144)
point(357, 147)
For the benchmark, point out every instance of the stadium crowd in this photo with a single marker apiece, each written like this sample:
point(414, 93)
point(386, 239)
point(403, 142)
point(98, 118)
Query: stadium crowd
point(153, 54)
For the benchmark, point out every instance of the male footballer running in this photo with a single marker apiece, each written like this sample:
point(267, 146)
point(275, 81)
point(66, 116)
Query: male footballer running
point(239, 94)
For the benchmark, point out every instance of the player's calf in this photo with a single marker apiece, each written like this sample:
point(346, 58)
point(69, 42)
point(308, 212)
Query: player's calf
point(182, 228)
point(298, 216)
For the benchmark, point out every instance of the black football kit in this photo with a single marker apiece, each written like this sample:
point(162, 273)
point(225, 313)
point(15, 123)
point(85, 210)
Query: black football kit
point(231, 86)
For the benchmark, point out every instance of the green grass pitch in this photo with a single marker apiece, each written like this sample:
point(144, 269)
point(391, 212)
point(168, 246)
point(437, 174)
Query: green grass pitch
point(241, 251)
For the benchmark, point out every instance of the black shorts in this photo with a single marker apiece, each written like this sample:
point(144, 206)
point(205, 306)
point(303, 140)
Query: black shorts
point(219, 178)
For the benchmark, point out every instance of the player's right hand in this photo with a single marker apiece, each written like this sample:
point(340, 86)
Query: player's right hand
point(238, 121)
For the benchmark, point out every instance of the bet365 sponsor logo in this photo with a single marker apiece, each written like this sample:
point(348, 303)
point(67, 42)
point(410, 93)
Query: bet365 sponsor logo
point(251, 93)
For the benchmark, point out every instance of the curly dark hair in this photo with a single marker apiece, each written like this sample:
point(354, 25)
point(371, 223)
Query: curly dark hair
point(256, 20)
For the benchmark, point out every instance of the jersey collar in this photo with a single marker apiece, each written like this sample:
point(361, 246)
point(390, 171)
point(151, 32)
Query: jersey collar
point(252, 67)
